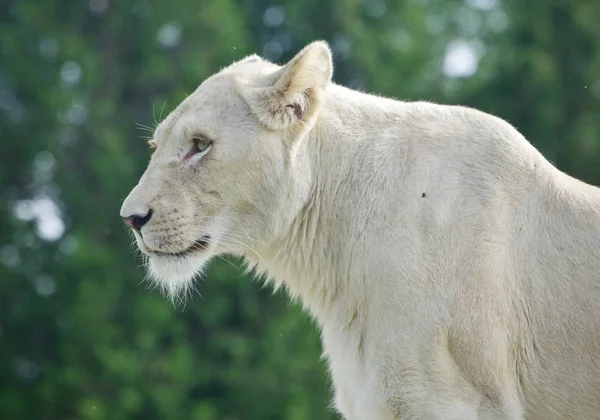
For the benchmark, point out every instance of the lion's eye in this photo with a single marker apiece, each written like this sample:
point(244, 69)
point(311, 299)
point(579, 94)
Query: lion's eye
point(201, 144)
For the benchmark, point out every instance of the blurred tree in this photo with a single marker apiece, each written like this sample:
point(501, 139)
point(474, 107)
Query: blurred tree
point(79, 338)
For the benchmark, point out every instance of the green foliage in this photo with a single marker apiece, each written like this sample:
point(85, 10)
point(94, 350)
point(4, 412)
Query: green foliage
point(80, 338)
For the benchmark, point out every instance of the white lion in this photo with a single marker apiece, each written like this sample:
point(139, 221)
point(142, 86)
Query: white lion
point(454, 272)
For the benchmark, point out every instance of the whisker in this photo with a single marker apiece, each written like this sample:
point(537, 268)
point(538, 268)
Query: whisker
point(153, 113)
point(221, 257)
point(143, 127)
point(161, 110)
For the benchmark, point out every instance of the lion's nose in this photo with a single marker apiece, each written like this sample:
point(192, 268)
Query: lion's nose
point(136, 221)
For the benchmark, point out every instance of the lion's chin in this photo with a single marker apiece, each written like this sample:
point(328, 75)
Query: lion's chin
point(175, 275)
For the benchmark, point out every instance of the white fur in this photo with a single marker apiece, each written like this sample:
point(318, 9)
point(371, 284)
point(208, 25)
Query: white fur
point(453, 271)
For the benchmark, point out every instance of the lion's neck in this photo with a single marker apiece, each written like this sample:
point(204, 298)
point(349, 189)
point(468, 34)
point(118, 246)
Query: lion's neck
point(316, 259)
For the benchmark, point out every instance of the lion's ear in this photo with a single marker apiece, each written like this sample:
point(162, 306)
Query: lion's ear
point(292, 94)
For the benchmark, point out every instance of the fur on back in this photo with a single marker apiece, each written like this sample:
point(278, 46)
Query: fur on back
point(453, 271)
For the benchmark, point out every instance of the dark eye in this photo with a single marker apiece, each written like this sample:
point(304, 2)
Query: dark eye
point(201, 144)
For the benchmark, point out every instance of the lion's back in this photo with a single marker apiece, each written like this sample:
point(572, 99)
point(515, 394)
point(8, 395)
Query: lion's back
point(469, 211)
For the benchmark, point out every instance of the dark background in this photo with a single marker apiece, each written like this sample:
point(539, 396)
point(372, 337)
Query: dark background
point(80, 336)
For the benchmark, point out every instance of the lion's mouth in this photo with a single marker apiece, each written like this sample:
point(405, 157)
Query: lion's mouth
point(198, 246)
